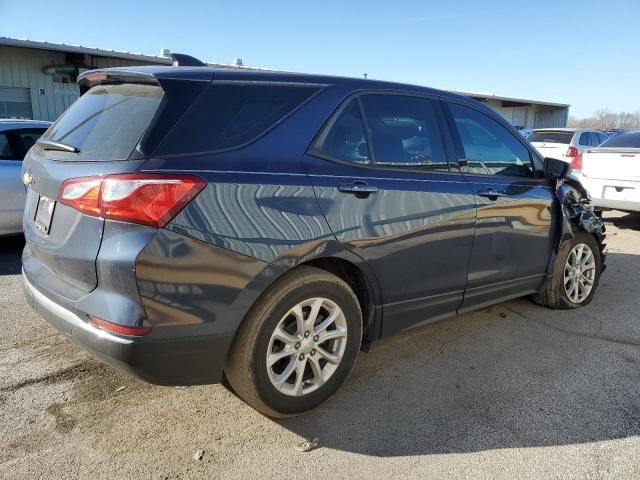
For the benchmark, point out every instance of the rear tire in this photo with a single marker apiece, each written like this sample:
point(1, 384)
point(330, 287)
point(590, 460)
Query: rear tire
point(297, 344)
point(576, 273)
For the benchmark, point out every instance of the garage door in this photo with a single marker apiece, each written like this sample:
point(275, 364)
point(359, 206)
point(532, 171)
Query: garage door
point(15, 103)
point(519, 117)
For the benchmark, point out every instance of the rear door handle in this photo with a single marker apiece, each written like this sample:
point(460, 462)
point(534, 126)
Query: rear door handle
point(357, 188)
point(492, 194)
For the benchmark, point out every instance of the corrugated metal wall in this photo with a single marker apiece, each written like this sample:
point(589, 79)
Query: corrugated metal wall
point(551, 118)
point(536, 116)
point(22, 68)
point(507, 113)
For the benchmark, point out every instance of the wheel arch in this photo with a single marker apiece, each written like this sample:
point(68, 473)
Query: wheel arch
point(361, 285)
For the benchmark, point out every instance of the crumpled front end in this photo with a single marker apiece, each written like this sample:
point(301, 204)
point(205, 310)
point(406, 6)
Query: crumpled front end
point(578, 213)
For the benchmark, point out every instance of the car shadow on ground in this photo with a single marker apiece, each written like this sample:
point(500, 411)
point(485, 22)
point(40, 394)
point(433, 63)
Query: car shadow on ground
point(514, 375)
point(624, 221)
point(11, 255)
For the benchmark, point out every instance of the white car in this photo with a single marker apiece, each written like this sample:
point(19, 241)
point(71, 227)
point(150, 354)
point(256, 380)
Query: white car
point(16, 138)
point(611, 172)
point(567, 144)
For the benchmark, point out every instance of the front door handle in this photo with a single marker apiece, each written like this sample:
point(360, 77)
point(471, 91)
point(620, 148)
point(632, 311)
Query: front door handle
point(358, 188)
point(492, 194)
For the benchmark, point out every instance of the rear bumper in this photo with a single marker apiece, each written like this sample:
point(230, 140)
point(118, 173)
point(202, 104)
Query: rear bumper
point(170, 355)
point(622, 205)
point(613, 194)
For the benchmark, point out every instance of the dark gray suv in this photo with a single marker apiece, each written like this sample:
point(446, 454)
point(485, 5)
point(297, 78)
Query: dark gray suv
point(190, 223)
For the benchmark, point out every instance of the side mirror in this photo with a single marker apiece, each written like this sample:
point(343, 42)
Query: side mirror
point(557, 169)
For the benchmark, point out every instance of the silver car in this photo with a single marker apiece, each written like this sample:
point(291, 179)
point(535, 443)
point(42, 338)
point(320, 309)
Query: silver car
point(16, 138)
point(566, 144)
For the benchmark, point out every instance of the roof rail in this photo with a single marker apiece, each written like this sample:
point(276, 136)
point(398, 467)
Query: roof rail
point(183, 60)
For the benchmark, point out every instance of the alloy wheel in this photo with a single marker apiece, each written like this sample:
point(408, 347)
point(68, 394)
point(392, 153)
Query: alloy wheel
point(306, 347)
point(579, 273)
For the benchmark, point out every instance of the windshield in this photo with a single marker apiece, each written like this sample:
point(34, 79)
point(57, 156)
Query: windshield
point(551, 137)
point(623, 140)
point(106, 123)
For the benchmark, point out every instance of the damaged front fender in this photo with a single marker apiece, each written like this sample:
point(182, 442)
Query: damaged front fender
point(577, 214)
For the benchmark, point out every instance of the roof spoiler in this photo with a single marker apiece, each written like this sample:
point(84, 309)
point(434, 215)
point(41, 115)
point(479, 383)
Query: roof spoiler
point(90, 78)
point(183, 60)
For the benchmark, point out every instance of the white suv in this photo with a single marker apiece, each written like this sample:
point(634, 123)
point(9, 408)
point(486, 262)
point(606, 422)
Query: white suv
point(566, 144)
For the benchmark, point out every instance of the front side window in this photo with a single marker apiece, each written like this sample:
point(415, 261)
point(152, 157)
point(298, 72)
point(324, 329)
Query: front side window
point(344, 139)
point(488, 147)
point(403, 131)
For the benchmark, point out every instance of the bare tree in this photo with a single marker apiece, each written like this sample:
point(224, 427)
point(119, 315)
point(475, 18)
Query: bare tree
point(604, 119)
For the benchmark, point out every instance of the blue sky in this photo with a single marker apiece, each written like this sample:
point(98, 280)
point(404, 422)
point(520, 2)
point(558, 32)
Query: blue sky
point(585, 53)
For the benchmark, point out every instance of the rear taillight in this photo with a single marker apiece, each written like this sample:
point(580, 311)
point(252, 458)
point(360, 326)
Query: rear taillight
point(575, 157)
point(149, 199)
point(119, 329)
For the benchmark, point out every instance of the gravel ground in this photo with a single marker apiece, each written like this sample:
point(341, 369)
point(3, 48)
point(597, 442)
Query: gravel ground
point(512, 391)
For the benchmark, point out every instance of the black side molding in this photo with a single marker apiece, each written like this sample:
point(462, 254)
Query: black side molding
point(183, 60)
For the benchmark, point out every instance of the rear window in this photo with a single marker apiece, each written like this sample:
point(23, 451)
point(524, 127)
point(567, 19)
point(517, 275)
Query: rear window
point(623, 140)
point(107, 122)
point(551, 137)
point(233, 114)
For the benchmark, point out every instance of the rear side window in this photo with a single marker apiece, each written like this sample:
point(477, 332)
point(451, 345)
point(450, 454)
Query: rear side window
point(232, 114)
point(403, 131)
point(489, 148)
point(344, 139)
point(6, 151)
point(29, 138)
point(551, 137)
point(624, 140)
point(107, 122)
point(584, 139)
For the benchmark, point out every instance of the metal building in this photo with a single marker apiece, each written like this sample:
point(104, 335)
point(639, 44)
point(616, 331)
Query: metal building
point(525, 113)
point(38, 81)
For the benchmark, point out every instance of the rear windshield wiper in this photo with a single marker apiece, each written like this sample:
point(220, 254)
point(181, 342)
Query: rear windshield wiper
point(59, 146)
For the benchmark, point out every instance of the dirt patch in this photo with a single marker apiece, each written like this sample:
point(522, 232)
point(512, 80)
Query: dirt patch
point(64, 421)
point(74, 372)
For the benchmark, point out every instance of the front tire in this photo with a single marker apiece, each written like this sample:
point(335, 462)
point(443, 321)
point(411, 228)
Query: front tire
point(576, 273)
point(297, 345)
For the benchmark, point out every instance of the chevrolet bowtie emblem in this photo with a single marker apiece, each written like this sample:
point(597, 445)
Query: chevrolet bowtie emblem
point(27, 178)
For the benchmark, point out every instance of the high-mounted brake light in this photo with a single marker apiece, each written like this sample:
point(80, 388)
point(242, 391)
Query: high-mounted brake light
point(148, 199)
point(96, 77)
point(119, 329)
